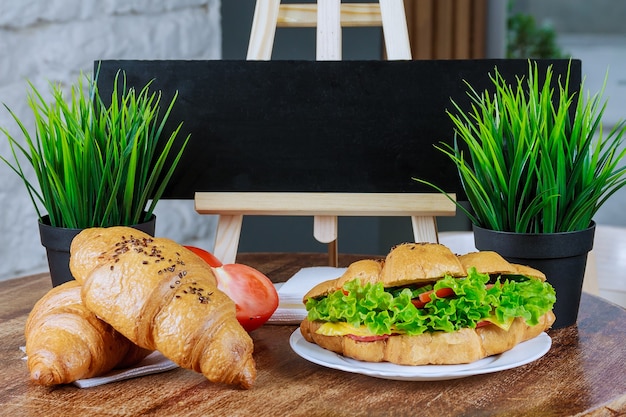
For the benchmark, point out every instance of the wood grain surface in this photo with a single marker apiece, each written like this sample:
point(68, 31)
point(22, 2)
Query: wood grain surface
point(582, 374)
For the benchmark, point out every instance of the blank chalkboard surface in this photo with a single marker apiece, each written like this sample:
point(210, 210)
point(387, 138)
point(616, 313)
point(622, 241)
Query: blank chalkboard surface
point(349, 126)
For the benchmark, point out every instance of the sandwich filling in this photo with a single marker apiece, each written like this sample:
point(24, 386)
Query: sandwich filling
point(372, 312)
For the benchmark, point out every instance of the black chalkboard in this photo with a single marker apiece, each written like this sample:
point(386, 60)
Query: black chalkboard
point(350, 126)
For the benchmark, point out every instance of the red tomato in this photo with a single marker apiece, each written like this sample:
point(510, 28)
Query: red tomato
point(253, 293)
point(206, 255)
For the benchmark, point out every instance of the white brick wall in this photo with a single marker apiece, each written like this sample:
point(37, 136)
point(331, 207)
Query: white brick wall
point(54, 40)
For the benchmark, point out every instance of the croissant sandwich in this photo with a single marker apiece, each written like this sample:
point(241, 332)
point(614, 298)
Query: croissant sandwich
point(66, 342)
point(163, 297)
point(424, 305)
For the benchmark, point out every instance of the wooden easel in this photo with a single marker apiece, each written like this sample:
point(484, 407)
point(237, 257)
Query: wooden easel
point(328, 16)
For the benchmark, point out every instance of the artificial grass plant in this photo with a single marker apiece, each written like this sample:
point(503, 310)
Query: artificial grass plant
point(95, 165)
point(536, 160)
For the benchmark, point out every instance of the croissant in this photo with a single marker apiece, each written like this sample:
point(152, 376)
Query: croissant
point(66, 342)
point(163, 297)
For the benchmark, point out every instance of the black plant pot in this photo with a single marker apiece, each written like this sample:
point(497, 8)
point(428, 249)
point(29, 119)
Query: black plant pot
point(562, 257)
point(57, 242)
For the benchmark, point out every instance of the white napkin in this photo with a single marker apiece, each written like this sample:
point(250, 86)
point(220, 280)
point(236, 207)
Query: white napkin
point(151, 364)
point(290, 307)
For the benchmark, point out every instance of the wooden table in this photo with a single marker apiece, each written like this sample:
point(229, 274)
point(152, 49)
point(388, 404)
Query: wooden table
point(584, 372)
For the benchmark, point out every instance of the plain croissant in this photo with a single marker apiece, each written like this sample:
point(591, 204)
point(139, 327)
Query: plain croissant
point(164, 297)
point(66, 342)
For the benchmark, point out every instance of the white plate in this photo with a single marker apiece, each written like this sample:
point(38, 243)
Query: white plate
point(521, 354)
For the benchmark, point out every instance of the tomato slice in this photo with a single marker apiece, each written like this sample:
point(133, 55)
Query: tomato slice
point(417, 303)
point(483, 323)
point(441, 293)
point(253, 293)
point(206, 255)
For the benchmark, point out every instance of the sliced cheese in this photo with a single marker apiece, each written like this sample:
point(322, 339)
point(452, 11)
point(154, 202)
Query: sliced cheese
point(504, 326)
point(341, 328)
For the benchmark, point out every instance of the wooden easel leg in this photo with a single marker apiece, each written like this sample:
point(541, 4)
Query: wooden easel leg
point(263, 30)
point(333, 254)
point(395, 29)
point(424, 229)
point(328, 30)
point(325, 231)
point(227, 238)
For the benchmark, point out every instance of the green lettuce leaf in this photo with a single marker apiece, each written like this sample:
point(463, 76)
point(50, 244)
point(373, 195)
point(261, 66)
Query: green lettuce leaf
point(387, 311)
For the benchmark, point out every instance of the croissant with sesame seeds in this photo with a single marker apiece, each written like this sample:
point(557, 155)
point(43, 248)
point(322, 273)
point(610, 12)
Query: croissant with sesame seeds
point(163, 297)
